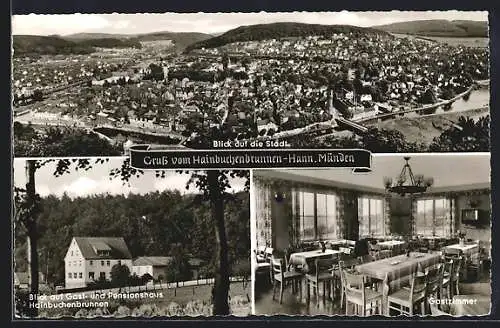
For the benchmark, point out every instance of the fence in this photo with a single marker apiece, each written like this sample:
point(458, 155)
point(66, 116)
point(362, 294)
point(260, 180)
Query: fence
point(151, 287)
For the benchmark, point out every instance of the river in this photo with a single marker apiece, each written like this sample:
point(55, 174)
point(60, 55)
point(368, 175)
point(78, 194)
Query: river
point(478, 99)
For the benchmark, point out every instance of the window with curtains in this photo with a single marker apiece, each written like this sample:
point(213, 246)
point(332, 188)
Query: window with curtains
point(433, 217)
point(317, 214)
point(371, 216)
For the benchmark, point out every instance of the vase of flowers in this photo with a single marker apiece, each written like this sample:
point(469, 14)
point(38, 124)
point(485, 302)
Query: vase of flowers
point(461, 238)
point(323, 246)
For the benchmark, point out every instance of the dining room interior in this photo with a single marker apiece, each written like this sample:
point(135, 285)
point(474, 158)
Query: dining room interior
point(412, 236)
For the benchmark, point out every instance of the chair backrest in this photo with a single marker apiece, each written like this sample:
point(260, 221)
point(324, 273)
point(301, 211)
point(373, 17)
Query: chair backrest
point(269, 252)
point(385, 254)
point(366, 258)
point(448, 267)
point(457, 267)
point(323, 265)
point(452, 251)
point(434, 276)
point(354, 285)
point(277, 267)
point(419, 285)
point(351, 262)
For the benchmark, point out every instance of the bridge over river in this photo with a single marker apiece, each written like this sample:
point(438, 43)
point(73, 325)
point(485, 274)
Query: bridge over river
point(106, 131)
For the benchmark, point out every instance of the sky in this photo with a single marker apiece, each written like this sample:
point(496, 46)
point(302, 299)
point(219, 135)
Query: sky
point(214, 22)
point(97, 181)
point(447, 170)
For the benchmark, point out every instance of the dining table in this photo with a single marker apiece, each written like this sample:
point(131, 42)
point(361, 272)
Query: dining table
point(305, 259)
point(393, 245)
point(466, 249)
point(394, 272)
point(470, 305)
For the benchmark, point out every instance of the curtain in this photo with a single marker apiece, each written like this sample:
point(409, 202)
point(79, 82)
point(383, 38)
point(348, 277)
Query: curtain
point(414, 213)
point(262, 191)
point(340, 200)
point(453, 221)
point(387, 215)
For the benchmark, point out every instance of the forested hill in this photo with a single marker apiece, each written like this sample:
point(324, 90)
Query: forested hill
point(435, 27)
point(47, 45)
point(150, 224)
point(278, 30)
point(180, 39)
point(56, 45)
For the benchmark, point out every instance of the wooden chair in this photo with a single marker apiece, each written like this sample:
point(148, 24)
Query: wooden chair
point(262, 266)
point(349, 265)
point(268, 254)
point(366, 258)
point(373, 249)
point(385, 254)
point(364, 299)
point(406, 299)
point(455, 276)
point(446, 283)
point(474, 265)
point(324, 274)
point(434, 281)
point(283, 277)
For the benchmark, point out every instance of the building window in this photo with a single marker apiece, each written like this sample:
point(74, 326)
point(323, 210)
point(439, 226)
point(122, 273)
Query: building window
point(371, 216)
point(91, 262)
point(317, 215)
point(91, 275)
point(433, 217)
point(108, 263)
point(80, 275)
point(79, 263)
point(119, 262)
point(102, 263)
point(102, 275)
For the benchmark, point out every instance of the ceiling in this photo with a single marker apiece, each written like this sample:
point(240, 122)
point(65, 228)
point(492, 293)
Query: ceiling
point(447, 170)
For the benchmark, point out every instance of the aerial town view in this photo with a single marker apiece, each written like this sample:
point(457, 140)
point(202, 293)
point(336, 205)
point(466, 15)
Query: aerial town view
point(410, 82)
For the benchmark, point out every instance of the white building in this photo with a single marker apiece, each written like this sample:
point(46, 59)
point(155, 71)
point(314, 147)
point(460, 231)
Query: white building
point(153, 265)
point(91, 258)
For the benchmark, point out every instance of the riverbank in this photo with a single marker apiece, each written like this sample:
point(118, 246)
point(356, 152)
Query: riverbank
point(425, 128)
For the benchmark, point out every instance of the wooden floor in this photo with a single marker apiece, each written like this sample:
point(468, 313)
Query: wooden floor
point(293, 305)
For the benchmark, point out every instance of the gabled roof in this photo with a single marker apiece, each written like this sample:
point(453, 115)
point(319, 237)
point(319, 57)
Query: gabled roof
point(153, 260)
point(116, 246)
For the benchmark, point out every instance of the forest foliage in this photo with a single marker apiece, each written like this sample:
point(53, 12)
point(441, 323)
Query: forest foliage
point(154, 224)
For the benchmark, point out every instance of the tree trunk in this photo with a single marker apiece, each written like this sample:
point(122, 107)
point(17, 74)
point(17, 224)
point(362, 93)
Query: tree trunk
point(221, 281)
point(31, 227)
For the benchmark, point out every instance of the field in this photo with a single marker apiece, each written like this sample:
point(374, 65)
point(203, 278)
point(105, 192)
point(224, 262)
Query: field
point(468, 42)
point(452, 41)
